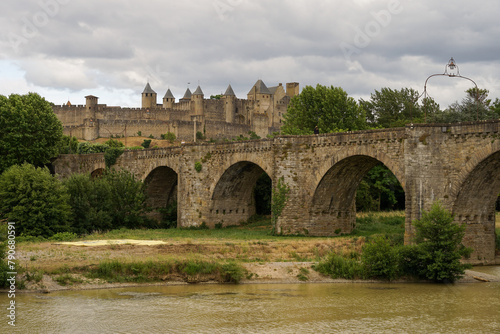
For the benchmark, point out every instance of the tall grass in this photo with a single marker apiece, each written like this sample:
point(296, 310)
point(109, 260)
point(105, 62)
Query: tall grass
point(388, 224)
point(191, 270)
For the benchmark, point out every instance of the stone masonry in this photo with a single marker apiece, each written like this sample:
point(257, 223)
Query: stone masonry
point(223, 117)
point(457, 164)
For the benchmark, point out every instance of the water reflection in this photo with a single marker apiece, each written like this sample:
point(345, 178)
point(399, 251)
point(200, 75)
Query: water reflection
point(272, 308)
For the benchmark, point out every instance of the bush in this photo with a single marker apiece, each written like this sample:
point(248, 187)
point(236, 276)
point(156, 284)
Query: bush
point(111, 155)
point(86, 148)
point(146, 143)
point(68, 145)
point(168, 136)
point(90, 202)
point(199, 135)
point(345, 266)
point(439, 246)
point(198, 166)
point(381, 259)
point(35, 200)
point(114, 143)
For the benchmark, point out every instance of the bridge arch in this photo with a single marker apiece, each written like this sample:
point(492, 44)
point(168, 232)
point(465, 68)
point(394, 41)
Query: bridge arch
point(97, 172)
point(333, 204)
point(232, 200)
point(473, 202)
point(161, 188)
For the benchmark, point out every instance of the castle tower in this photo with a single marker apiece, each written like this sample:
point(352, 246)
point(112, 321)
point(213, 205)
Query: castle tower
point(148, 97)
point(168, 100)
point(197, 100)
point(262, 95)
point(229, 99)
point(292, 89)
point(91, 126)
point(187, 96)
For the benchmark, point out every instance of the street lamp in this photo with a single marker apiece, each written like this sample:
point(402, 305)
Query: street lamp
point(451, 70)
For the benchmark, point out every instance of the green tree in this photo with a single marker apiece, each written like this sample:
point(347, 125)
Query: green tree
point(329, 108)
point(35, 200)
point(389, 108)
point(30, 131)
point(475, 106)
point(439, 246)
point(128, 199)
point(379, 190)
point(90, 201)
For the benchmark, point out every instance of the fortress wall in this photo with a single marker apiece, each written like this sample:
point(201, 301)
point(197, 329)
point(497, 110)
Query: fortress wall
point(214, 109)
point(219, 130)
point(132, 127)
point(260, 124)
point(180, 115)
point(70, 115)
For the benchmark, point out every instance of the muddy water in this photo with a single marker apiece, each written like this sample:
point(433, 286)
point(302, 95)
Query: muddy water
point(263, 308)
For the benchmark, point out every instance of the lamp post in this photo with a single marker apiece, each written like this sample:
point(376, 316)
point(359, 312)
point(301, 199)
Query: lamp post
point(451, 70)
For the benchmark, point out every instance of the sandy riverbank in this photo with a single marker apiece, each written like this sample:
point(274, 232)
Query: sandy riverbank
point(265, 261)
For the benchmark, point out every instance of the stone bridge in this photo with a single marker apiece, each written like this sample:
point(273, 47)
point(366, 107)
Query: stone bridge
point(458, 164)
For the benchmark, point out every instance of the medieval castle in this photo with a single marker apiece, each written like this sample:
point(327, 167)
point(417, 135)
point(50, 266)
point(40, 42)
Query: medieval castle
point(225, 117)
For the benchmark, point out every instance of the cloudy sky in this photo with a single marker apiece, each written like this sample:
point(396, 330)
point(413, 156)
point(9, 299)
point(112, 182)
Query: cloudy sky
point(67, 49)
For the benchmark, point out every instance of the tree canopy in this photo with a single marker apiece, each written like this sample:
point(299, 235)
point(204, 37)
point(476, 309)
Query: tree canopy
point(329, 108)
point(390, 108)
point(30, 132)
point(35, 200)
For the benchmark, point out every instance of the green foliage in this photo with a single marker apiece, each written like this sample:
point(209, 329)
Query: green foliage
point(87, 148)
point(151, 136)
point(30, 131)
point(380, 259)
point(216, 97)
point(439, 244)
point(380, 190)
point(111, 155)
point(389, 108)
point(390, 226)
point(128, 199)
point(146, 143)
point(329, 108)
point(114, 143)
point(190, 269)
point(475, 106)
point(198, 166)
point(253, 135)
point(64, 236)
point(279, 198)
point(170, 136)
point(139, 133)
point(114, 200)
point(35, 200)
point(90, 202)
point(345, 266)
point(68, 145)
point(199, 135)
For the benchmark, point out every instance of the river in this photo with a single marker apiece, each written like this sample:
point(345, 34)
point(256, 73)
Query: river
point(264, 308)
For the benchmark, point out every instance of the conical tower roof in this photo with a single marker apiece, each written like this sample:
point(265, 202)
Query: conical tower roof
point(148, 89)
point(169, 95)
point(198, 91)
point(229, 91)
point(260, 88)
point(187, 94)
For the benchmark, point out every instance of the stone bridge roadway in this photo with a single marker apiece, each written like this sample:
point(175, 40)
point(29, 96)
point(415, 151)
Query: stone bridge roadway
point(457, 164)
